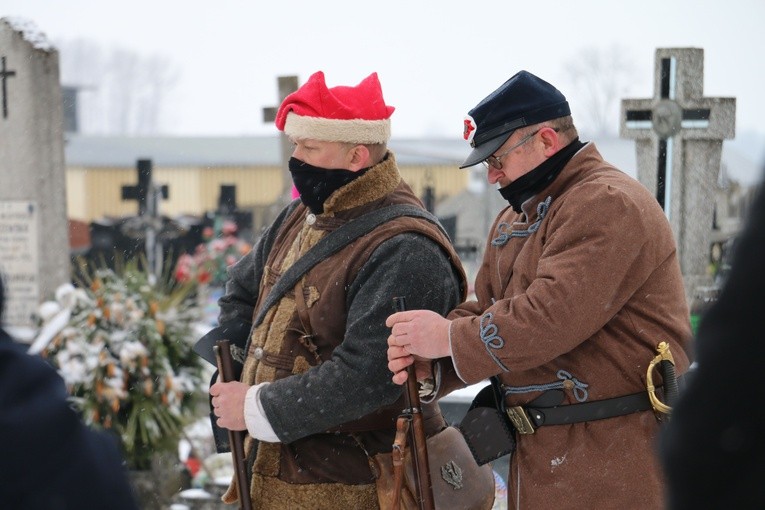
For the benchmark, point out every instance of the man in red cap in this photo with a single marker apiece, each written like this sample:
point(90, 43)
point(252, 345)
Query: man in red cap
point(579, 284)
point(315, 395)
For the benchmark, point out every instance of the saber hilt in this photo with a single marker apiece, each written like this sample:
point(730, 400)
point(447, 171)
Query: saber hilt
point(666, 365)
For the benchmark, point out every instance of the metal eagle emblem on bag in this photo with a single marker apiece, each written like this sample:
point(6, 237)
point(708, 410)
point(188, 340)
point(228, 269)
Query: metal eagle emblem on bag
point(452, 474)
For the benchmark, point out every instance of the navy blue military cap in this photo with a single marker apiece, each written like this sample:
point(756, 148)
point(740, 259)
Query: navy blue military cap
point(522, 100)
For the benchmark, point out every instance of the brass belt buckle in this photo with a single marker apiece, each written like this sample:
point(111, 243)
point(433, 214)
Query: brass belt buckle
point(520, 419)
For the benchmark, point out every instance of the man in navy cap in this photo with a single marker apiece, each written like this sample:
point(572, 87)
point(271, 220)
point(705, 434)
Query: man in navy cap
point(49, 459)
point(580, 281)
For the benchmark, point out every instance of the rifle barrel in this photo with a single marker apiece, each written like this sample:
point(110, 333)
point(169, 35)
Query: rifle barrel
point(235, 438)
point(418, 440)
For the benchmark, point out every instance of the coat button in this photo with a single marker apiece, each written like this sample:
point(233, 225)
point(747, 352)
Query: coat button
point(258, 353)
point(310, 219)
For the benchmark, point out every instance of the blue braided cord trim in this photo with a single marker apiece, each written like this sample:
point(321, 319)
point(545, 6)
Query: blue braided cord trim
point(580, 388)
point(491, 339)
point(504, 236)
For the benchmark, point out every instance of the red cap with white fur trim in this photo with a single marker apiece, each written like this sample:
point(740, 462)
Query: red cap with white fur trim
point(338, 114)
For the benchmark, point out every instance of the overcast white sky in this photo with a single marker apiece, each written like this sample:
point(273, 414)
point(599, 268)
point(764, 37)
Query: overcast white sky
point(435, 59)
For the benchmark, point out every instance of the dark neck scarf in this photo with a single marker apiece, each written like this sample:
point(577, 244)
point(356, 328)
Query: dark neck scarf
point(315, 184)
point(528, 185)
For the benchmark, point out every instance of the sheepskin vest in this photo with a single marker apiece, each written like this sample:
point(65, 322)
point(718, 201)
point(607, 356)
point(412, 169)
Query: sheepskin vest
point(302, 330)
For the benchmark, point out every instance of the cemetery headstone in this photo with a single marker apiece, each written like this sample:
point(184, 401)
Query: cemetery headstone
point(678, 135)
point(34, 247)
point(227, 199)
point(228, 209)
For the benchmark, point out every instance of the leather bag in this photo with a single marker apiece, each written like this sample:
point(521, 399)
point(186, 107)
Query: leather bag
point(459, 483)
point(487, 430)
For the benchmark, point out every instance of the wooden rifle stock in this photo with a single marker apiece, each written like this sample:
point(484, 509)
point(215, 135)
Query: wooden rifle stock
point(235, 438)
point(419, 447)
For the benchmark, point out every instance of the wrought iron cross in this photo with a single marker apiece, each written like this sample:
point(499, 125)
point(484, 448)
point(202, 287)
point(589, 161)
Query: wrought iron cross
point(4, 75)
point(148, 225)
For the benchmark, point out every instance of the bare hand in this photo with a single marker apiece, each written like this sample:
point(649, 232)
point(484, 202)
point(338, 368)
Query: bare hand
point(228, 404)
point(399, 364)
point(420, 333)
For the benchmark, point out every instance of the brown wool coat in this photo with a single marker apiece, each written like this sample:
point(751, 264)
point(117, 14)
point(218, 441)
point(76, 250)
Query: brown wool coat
point(329, 468)
point(591, 289)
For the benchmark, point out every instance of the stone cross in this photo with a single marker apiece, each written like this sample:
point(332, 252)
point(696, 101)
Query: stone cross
point(34, 245)
point(148, 225)
point(287, 85)
point(678, 135)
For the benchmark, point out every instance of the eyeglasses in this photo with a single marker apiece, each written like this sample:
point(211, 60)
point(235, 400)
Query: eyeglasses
point(496, 161)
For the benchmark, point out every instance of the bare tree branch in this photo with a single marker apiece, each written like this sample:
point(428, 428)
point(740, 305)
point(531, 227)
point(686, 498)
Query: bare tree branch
point(121, 92)
point(600, 78)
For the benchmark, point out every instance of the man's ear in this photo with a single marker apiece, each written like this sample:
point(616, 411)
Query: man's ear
point(359, 158)
point(551, 141)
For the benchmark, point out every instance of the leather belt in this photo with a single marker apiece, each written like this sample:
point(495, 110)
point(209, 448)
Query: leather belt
point(529, 417)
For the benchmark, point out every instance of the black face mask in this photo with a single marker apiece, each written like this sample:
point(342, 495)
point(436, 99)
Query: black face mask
point(528, 185)
point(315, 184)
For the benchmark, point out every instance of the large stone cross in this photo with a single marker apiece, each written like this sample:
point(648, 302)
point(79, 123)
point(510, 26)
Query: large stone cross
point(678, 135)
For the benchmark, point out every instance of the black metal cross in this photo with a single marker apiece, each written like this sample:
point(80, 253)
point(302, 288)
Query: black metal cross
point(141, 191)
point(4, 75)
point(149, 224)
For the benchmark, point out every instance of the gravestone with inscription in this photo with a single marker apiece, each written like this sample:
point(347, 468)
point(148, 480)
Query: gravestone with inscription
point(34, 247)
point(678, 135)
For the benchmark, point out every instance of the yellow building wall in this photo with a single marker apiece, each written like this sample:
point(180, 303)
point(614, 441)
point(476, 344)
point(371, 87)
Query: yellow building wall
point(103, 192)
point(94, 193)
point(255, 186)
point(76, 198)
point(447, 181)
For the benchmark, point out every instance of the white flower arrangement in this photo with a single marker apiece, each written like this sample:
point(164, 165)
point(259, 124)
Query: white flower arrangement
point(123, 345)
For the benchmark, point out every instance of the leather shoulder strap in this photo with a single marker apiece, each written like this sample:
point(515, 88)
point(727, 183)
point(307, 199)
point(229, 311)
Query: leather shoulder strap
point(238, 331)
point(334, 242)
